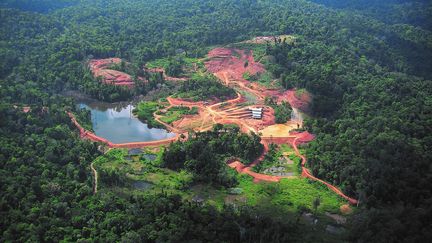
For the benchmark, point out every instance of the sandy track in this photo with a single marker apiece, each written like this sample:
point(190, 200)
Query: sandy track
point(95, 178)
point(247, 169)
point(229, 70)
point(306, 173)
point(295, 139)
point(228, 112)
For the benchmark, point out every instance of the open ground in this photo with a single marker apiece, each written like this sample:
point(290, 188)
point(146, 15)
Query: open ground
point(229, 65)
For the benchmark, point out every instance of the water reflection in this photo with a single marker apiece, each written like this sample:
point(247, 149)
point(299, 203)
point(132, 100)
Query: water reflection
point(117, 123)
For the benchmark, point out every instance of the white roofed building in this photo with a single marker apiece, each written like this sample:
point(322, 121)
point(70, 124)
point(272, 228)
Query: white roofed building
point(256, 113)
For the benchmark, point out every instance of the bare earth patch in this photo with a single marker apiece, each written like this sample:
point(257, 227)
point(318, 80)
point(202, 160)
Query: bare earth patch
point(101, 68)
point(229, 65)
point(346, 209)
point(278, 130)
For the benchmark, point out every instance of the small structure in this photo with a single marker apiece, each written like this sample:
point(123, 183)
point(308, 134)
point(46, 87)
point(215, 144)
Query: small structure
point(256, 113)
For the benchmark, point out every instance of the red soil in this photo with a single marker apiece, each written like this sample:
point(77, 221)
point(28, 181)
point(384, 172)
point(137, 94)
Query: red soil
point(182, 102)
point(237, 62)
point(295, 138)
point(306, 137)
point(247, 169)
point(229, 66)
point(93, 137)
point(226, 112)
point(290, 96)
point(279, 140)
point(346, 209)
point(101, 68)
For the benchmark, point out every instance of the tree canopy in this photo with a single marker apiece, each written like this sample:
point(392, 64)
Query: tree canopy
point(366, 64)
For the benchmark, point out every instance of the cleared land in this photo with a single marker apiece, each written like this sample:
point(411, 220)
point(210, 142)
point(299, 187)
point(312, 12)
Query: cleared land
point(230, 66)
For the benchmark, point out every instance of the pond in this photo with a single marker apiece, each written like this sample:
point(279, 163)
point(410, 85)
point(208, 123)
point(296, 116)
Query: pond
point(116, 123)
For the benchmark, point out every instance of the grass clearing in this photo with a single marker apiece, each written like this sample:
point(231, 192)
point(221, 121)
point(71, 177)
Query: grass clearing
point(188, 63)
point(288, 196)
point(280, 159)
point(144, 110)
point(266, 79)
point(140, 168)
point(259, 50)
point(176, 113)
point(158, 63)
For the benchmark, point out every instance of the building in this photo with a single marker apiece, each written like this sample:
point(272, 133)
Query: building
point(256, 113)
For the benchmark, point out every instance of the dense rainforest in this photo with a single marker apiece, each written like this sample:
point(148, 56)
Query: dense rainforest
point(368, 69)
point(217, 145)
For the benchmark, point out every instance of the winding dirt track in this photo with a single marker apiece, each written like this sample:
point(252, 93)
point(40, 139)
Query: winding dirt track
point(306, 173)
point(225, 116)
point(247, 169)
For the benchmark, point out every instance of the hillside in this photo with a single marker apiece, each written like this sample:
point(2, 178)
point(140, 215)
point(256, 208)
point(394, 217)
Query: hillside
point(360, 76)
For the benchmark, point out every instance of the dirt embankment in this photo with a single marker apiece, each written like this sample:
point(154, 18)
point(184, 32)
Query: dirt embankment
point(306, 137)
point(93, 137)
point(294, 138)
point(102, 68)
point(230, 65)
point(236, 62)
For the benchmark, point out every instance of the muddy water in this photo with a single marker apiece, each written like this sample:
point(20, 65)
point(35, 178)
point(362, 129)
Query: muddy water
point(116, 123)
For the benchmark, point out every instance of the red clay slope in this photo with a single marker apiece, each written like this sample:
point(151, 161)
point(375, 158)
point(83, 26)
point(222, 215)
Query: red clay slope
point(237, 62)
point(301, 102)
point(230, 65)
point(101, 68)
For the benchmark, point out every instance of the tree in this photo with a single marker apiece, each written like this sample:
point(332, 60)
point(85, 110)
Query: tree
point(316, 202)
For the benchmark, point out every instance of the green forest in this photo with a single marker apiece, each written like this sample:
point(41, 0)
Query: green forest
point(366, 63)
